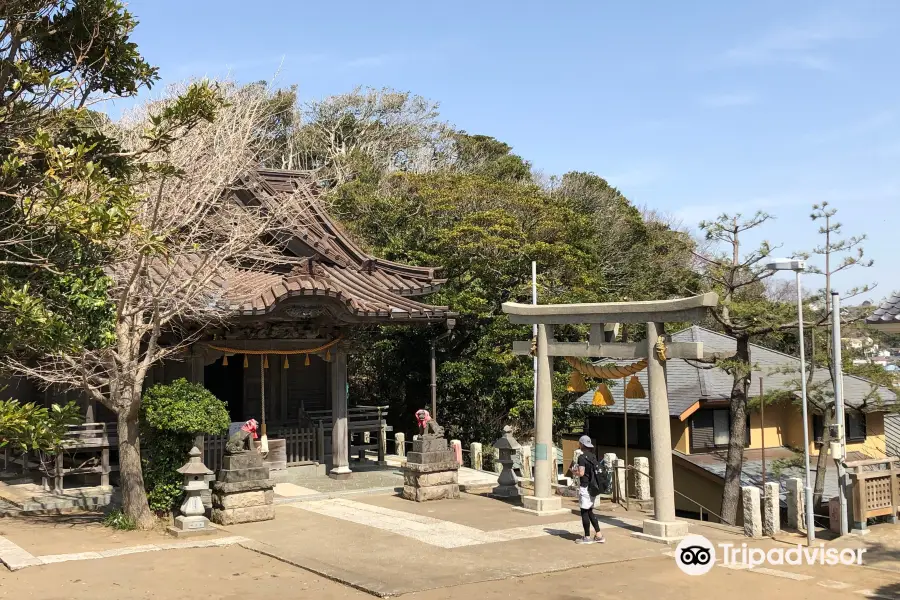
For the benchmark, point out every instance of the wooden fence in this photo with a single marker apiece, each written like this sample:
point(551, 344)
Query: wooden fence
point(303, 446)
point(875, 488)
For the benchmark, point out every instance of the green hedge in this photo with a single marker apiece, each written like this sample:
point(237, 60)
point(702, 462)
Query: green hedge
point(171, 415)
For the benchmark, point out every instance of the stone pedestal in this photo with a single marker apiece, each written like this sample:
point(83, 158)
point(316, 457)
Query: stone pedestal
point(243, 492)
point(752, 516)
point(642, 478)
point(431, 471)
point(772, 510)
point(796, 511)
point(663, 532)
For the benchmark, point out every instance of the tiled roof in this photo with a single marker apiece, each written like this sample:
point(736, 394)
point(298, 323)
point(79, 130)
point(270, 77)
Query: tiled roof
point(688, 384)
point(888, 313)
point(332, 266)
point(751, 471)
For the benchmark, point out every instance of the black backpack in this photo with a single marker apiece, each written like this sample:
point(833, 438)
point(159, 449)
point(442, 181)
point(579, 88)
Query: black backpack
point(598, 477)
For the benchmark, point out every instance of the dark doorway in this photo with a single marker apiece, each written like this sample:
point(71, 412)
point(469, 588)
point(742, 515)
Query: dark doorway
point(226, 382)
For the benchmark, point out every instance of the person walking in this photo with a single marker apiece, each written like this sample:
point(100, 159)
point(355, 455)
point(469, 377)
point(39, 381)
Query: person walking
point(585, 469)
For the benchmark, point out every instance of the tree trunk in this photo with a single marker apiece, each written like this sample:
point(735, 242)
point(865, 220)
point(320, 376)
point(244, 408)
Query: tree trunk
point(134, 498)
point(822, 461)
point(734, 460)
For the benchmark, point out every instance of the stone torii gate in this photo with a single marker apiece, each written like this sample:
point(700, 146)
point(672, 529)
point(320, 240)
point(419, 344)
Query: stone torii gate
point(663, 527)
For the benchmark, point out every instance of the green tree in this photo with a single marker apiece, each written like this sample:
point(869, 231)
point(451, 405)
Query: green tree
point(171, 415)
point(63, 196)
point(743, 313)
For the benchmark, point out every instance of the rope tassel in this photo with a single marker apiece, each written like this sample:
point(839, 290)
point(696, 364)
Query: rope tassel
point(306, 362)
point(286, 363)
point(602, 396)
point(634, 390)
point(225, 361)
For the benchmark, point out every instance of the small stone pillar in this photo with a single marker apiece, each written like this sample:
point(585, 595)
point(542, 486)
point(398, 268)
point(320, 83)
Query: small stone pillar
point(497, 466)
point(506, 445)
point(400, 445)
point(476, 456)
point(621, 474)
point(609, 463)
point(525, 462)
point(796, 517)
point(192, 520)
point(456, 446)
point(772, 510)
point(641, 478)
point(752, 518)
point(431, 471)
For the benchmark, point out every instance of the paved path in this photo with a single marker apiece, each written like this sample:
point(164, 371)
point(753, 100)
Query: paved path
point(429, 530)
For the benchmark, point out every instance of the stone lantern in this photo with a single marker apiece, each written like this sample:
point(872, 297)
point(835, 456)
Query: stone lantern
point(506, 446)
point(192, 520)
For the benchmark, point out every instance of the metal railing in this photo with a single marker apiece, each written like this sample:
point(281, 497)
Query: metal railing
point(688, 498)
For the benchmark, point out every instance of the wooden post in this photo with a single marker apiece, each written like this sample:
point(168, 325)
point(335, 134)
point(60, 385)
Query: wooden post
point(104, 465)
point(382, 439)
point(894, 499)
point(762, 428)
point(320, 442)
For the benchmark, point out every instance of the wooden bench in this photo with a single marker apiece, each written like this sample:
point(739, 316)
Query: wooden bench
point(94, 439)
point(361, 420)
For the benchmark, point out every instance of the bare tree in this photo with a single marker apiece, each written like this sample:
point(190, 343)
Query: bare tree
point(191, 233)
point(390, 130)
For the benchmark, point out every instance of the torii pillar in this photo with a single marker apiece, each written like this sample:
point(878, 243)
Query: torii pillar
point(663, 527)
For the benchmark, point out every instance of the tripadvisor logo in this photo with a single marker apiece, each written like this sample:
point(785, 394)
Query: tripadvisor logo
point(696, 555)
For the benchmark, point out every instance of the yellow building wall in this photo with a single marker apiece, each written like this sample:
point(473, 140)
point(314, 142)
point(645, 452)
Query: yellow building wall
point(775, 427)
point(784, 427)
point(693, 488)
point(680, 435)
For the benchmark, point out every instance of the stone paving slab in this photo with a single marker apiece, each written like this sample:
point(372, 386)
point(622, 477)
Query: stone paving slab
point(410, 552)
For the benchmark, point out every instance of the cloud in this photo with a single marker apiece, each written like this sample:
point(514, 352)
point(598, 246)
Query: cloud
point(728, 100)
point(803, 46)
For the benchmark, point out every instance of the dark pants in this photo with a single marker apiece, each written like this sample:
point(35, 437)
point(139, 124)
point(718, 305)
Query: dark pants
point(588, 518)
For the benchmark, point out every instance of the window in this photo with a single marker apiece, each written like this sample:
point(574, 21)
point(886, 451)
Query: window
point(854, 426)
point(721, 420)
point(609, 431)
point(711, 429)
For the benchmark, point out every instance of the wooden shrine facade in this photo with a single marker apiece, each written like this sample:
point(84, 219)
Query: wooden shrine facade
point(282, 358)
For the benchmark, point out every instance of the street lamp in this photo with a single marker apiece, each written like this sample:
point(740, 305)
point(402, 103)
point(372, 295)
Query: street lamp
point(787, 264)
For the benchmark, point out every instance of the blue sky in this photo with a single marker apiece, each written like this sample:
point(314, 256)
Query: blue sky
point(691, 108)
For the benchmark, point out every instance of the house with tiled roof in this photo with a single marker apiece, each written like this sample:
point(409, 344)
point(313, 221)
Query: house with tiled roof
point(887, 316)
point(700, 420)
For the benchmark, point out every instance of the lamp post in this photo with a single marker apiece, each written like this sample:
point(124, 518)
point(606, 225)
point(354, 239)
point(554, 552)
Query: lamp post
point(786, 264)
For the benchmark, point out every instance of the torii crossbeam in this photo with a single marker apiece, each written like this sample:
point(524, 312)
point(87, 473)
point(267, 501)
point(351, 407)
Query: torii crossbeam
point(663, 527)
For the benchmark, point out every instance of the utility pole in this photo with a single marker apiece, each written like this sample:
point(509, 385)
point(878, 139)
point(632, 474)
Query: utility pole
point(839, 447)
point(534, 332)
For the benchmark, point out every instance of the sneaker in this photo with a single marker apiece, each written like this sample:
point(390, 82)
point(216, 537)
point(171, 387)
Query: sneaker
point(585, 540)
point(600, 539)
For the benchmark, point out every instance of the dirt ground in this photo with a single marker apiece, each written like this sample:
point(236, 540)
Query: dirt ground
point(235, 573)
